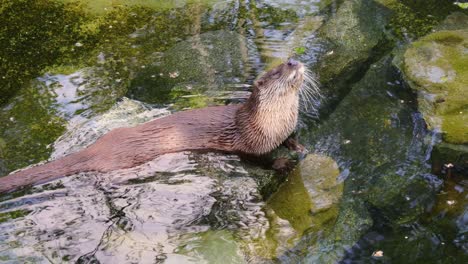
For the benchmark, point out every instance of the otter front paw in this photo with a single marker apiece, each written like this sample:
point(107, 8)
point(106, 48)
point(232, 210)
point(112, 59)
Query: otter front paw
point(293, 145)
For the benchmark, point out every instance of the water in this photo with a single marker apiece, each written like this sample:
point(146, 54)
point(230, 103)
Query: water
point(373, 181)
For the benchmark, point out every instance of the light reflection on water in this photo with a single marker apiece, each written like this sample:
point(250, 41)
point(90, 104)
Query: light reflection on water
point(66, 87)
point(141, 214)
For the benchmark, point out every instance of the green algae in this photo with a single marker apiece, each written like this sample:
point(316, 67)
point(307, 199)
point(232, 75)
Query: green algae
point(29, 126)
point(307, 198)
point(105, 6)
point(4, 217)
point(34, 35)
point(307, 201)
point(414, 19)
point(437, 67)
point(203, 63)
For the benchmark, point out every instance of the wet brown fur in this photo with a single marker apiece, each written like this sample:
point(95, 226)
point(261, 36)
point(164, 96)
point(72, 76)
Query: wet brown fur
point(255, 127)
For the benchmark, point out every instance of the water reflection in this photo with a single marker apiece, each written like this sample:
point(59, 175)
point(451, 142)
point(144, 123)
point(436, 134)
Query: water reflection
point(66, 88)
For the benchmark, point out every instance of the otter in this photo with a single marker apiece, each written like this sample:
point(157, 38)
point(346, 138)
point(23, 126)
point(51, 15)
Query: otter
point(255, 127)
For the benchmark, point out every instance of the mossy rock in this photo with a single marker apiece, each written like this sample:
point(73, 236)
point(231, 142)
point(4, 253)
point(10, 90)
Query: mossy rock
point(306, 203)
point(436, 66)
point(402, 196)
point(310, 196)
point(353, 36)
point(351, 29)
point(415, 18)
point(455, 21)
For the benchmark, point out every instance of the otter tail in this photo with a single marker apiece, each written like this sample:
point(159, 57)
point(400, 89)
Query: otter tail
point(68, 165)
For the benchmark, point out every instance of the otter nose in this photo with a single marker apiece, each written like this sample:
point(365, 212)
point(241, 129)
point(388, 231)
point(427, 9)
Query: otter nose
point(292, 62)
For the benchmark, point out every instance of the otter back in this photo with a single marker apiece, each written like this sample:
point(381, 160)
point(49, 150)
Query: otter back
point(210, 128)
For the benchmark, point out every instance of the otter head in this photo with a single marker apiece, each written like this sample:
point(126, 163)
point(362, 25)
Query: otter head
point(270, 114)
point(285, 78)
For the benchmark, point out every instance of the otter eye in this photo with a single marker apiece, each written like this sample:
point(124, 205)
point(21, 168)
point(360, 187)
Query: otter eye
point(292, 62)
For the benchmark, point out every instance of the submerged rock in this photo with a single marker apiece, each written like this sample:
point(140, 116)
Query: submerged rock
point(413, 19)
point(209, 61)
point(82, 132)
point(436, 66)
point(29, 124)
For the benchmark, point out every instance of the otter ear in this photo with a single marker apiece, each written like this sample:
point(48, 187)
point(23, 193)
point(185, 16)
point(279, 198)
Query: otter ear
point(259, 83)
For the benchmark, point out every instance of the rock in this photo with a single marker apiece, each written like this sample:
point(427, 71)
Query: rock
point(436, 66)
point(307, 202)
point(354, 34)
point(29, 124)
point(414, 19)
point(378, 139)
point(462, 236)
point(320, 175)
point(455, 21)
point(350, 30)
point(311, 189)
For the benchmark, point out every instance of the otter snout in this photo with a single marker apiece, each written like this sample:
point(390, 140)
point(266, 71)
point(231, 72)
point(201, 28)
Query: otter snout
point(292, 62)
point(295, 65)
point(295, 68)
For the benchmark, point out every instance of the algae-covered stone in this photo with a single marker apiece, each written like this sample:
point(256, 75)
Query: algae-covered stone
point(320, 175)
point(354, 34)
point(306, 202)
point(455, 21)
point(436, 66)
point(311, 190)
point(349, 27)
point(413, 19)
point(29, 124)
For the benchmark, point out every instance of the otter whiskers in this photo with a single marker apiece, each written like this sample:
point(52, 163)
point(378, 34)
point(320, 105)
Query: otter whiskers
point(309, 93)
